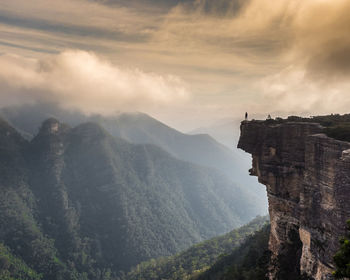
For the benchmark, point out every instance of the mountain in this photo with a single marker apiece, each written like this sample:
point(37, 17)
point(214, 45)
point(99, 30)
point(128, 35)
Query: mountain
point(249, 261)
point(200, 149)
point(20, 231)
point(139, 128)
point(78, 203)
point(201, 259)
point(225, 131)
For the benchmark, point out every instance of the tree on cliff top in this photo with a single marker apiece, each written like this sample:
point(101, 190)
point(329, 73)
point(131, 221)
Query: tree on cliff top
point(342, 257)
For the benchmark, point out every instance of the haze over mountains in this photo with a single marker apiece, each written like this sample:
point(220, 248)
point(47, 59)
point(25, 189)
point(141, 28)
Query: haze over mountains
point(199, 148)
point(80, 201)
point(225, 131)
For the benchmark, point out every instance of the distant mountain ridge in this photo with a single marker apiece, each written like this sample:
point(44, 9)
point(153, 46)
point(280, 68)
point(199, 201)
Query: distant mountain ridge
point(139, 128)
point(225, 131)
point(78, 203)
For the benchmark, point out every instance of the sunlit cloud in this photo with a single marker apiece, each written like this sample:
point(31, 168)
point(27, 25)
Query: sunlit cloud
point(234, 55)
point(81, 80)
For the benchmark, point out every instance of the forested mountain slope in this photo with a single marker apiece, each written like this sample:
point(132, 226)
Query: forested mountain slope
point(13, 268)
point(77, 203)
point(249, 261)
point(139, 128)
point(214, 259)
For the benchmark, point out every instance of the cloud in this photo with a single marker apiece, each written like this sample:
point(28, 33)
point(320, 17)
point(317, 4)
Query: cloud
point(291, 91)
point(322, 40)
point(291, 56)
point(81, 80)
point(263, 32)
point(316, 64)
point(237, 55)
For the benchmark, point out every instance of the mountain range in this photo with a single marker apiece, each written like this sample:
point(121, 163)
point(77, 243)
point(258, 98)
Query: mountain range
point(139, 128)
point(80, 203)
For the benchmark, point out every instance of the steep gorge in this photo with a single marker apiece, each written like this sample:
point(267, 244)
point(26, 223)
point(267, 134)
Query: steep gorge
point(307, 177)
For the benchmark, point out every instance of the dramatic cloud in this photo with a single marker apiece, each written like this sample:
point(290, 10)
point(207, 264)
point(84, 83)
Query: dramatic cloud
point(236, 55)
point(81, 80)
point(322, 38)
point(264, 32)
point(286, 56)
point(316, 72)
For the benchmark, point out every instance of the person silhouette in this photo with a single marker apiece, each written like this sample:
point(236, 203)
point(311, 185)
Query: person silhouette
point(246, 116)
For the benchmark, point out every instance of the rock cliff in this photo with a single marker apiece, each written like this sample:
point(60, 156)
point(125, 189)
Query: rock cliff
point(307, 176)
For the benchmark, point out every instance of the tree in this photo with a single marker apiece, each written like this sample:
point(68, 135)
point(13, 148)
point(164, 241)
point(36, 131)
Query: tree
point(342, 257)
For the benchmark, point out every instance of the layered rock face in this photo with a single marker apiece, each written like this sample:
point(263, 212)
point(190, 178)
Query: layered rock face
point(307, 176)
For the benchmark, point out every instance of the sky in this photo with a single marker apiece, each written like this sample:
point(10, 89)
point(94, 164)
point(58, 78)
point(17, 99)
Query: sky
point(186, 62)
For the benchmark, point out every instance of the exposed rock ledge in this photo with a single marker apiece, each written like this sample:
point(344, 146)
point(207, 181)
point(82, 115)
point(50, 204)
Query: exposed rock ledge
point(307, 176)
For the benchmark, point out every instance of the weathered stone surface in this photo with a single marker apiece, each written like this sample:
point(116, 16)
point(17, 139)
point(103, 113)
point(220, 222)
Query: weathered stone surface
point(307, 176)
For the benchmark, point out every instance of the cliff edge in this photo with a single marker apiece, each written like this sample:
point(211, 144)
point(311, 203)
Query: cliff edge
point(307, 177)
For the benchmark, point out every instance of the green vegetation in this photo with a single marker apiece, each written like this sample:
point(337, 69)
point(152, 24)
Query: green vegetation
point(247, 262)
point(342, 257)
point(12, 268)
point(335, 126)
point(139, 128)
point(339, 132)
point(79, 204)
point(19, 229)
point(326, 121)
point(201, 257)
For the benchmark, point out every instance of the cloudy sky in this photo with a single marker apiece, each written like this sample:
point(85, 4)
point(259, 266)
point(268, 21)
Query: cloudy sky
point(186, 62)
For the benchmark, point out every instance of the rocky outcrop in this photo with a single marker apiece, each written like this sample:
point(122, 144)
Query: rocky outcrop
point(307, 176)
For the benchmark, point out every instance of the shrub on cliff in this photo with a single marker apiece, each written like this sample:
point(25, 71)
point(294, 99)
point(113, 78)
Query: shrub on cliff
point(339, 132)
point(342, 257)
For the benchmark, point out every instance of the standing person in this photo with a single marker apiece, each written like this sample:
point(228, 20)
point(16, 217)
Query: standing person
point(246, 116)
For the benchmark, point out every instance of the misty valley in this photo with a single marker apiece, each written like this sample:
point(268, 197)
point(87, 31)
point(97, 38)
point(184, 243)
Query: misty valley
point(127, 197)
point(112, 198)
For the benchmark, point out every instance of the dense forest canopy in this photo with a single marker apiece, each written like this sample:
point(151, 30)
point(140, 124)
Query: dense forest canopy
point(241, 250)
point(78, 203)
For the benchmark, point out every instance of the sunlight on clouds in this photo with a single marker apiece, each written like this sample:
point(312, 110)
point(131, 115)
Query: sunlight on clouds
point(261, 55)
point(292, 91)
point(291, 56)
point(81, 80)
